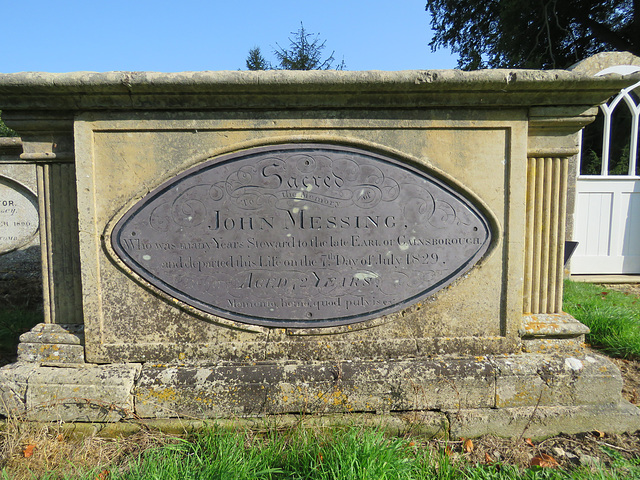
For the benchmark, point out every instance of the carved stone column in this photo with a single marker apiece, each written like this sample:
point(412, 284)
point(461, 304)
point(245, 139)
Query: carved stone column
point(47, 142)
point(552, 144)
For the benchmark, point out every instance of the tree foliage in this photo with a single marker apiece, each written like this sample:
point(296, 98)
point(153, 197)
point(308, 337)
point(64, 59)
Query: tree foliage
point(305, 52)
point(256, 61)
point(533, 33)
point(4, 130)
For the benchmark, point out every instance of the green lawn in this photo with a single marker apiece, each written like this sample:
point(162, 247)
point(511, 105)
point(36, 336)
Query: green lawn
point(300, 453)
point(612, 316)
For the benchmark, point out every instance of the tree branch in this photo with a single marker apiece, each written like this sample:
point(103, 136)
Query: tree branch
point(605, 34)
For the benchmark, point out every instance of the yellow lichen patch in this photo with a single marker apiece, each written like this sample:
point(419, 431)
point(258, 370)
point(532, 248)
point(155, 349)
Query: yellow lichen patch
point(44, 348)
point(323, 397)
point(339, 398)
point(537, 327)
point(163, 394)
point(206, 401)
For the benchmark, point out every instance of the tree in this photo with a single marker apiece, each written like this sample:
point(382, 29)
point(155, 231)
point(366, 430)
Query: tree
point(304, 53)
point(255, 60)
point(533, 33)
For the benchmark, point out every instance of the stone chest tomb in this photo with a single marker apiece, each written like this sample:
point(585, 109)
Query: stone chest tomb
point(245, 244)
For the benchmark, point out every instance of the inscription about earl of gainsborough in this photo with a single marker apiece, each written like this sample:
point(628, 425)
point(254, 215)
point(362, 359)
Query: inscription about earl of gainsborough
point(301, 236)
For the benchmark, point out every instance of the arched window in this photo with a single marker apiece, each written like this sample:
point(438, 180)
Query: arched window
point(610, 143)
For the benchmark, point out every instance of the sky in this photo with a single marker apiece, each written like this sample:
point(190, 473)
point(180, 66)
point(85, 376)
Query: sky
point(191, 35)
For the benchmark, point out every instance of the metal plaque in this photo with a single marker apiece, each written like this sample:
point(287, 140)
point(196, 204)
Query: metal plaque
point(301, 235)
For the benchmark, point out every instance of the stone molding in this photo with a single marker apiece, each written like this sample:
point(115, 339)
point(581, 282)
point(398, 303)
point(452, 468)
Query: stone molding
point(52, 344)
point(291, 89)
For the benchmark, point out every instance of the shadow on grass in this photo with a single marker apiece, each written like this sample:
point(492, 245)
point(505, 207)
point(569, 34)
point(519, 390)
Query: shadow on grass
point(20, 310)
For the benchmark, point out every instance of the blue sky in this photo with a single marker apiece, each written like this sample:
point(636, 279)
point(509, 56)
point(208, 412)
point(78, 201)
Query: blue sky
point(185, 35)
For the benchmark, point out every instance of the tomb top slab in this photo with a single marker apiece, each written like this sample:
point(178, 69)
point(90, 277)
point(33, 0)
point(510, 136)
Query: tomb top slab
point(303, 89)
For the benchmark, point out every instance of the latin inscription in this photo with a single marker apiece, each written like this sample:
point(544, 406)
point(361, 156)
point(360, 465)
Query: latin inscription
point(301, 235)
point(18, 215)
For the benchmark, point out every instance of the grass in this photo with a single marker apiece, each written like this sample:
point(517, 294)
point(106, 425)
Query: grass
point(350, 454)
point(296, 453)
point(612, 316)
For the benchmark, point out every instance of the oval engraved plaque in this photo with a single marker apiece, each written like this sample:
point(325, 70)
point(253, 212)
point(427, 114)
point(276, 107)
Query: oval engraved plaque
point(301, 235)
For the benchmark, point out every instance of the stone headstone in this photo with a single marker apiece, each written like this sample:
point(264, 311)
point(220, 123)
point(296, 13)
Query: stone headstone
point(19, 218)
point(18, 215)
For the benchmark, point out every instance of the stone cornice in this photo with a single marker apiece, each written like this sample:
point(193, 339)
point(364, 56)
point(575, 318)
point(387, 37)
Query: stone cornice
point(297, 89)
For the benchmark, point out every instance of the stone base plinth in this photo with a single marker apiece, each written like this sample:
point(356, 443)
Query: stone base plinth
point(458, 396)
point(51, 343)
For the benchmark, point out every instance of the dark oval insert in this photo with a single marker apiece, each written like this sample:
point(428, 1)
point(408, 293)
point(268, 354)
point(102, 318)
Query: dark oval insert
point(301, 235)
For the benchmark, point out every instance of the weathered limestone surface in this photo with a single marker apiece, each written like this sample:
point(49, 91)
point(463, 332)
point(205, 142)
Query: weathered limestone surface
point(540, 422)
point(490, 353)
point(210, 90)
point(52, 343)
point(443, 385)
point(13, 387)
point(552, 334)
point(92, 393)
point(315, 387)
point(601, 61)
point(506, 395)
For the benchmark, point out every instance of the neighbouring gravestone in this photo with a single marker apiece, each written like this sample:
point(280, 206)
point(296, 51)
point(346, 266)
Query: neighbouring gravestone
point(224, 244)
point(18, 215)
point(19, 220)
